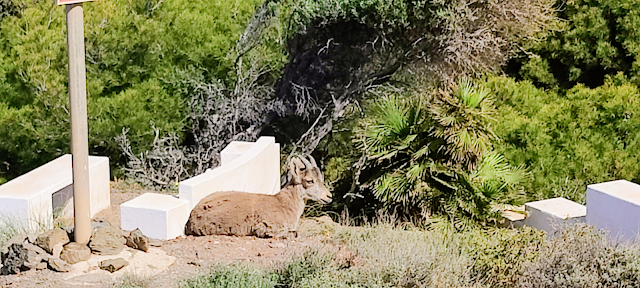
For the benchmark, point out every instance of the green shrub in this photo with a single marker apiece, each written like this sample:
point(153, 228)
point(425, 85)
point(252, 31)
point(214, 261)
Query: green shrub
point(143, 60)
point(131, 281)
point(582, 257)
point(568, 141)
point(596, 39)
point(385, 255)
point(431, 155)
point(497, 254)
point(231, 276)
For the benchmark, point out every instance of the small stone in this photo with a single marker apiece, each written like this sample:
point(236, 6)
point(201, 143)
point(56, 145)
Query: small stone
point(14, 259)
point(113, 265)
point(32, 238)
point(107, 240)
point(16, 239)
point(52, 237)
point(35, 255)
point(138, 241)
point(95, 224)
point(57, 249)
point(58, 265)
point(74, 253)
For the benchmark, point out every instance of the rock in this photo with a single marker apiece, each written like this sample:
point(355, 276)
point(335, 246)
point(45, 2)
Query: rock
point(52, 237)
point(57, 249)
point(138, 241)
point(16, 239)
point(95, 224)
point(35, 255)
point(22, 257)
point(74, 253)
point(107, 240)
point(58, 265)
point(113, 265)
point(14, 259)
point(32, 238)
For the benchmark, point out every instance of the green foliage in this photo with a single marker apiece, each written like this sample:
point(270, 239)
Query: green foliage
point(430, 155)
point(569, 141)
point(385, 255)
point(130, 281)
point(143, 58)
point(596, 39)
point(231, 276)
point(497, 254)
point(582, 257)
point(457, 34)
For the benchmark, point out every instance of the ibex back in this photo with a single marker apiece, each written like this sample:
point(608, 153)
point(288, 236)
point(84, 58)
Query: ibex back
point(244, 214)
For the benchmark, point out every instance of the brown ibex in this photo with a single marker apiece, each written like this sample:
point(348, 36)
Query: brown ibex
point(249, 214)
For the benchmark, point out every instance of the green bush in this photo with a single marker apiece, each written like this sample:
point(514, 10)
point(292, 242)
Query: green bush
point(231, 276)
point(568, 141)
point(596, 39)
point(144, 57)
point(130, 281)
point(430, 154)
point(582, 257)
point(497, 254)
point(386, 255)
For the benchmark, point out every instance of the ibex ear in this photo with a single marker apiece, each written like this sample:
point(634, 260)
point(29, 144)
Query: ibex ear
point(296, 166)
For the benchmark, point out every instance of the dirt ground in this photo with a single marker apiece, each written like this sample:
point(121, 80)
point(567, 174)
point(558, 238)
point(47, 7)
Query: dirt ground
point(194, 255)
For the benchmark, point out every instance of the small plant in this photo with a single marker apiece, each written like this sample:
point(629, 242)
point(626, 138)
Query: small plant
point(131, 281)
point(232, 276)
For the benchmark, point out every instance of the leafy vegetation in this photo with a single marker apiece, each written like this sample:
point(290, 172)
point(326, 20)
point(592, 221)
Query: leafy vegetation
point(382, 255)
point(596, 39)
point(234, 276)
point(568, 140)
point(388, 109)
point(431, 155)
point(143, 60)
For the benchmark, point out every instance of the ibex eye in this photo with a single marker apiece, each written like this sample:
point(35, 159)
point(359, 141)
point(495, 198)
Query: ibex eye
point(310, 181)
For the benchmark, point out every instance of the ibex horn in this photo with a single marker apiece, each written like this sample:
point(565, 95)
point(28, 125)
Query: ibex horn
point(294, 165)
point(307, 164)
point(313, 161)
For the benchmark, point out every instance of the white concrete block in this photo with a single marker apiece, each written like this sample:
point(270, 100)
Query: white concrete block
point(551, 214)
point(234, 150)
point(156, 215)
point(255, 171)
point(615, 206)
point(27, 201)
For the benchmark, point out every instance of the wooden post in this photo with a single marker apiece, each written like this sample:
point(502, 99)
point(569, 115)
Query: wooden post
point(79, 126)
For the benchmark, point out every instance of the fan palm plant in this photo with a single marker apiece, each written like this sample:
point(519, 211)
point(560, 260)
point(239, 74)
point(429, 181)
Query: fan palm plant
point(429, 154)
point(465, 115)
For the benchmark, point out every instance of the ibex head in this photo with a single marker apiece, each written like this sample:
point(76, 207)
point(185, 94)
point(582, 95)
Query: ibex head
point(305, 172)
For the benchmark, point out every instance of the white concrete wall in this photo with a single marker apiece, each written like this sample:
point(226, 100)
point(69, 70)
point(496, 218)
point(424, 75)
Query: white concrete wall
point(157, 216)
point(615, 206)
point(234, 150)
point(27, 200)
point(255, 171)
point(552, 214)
